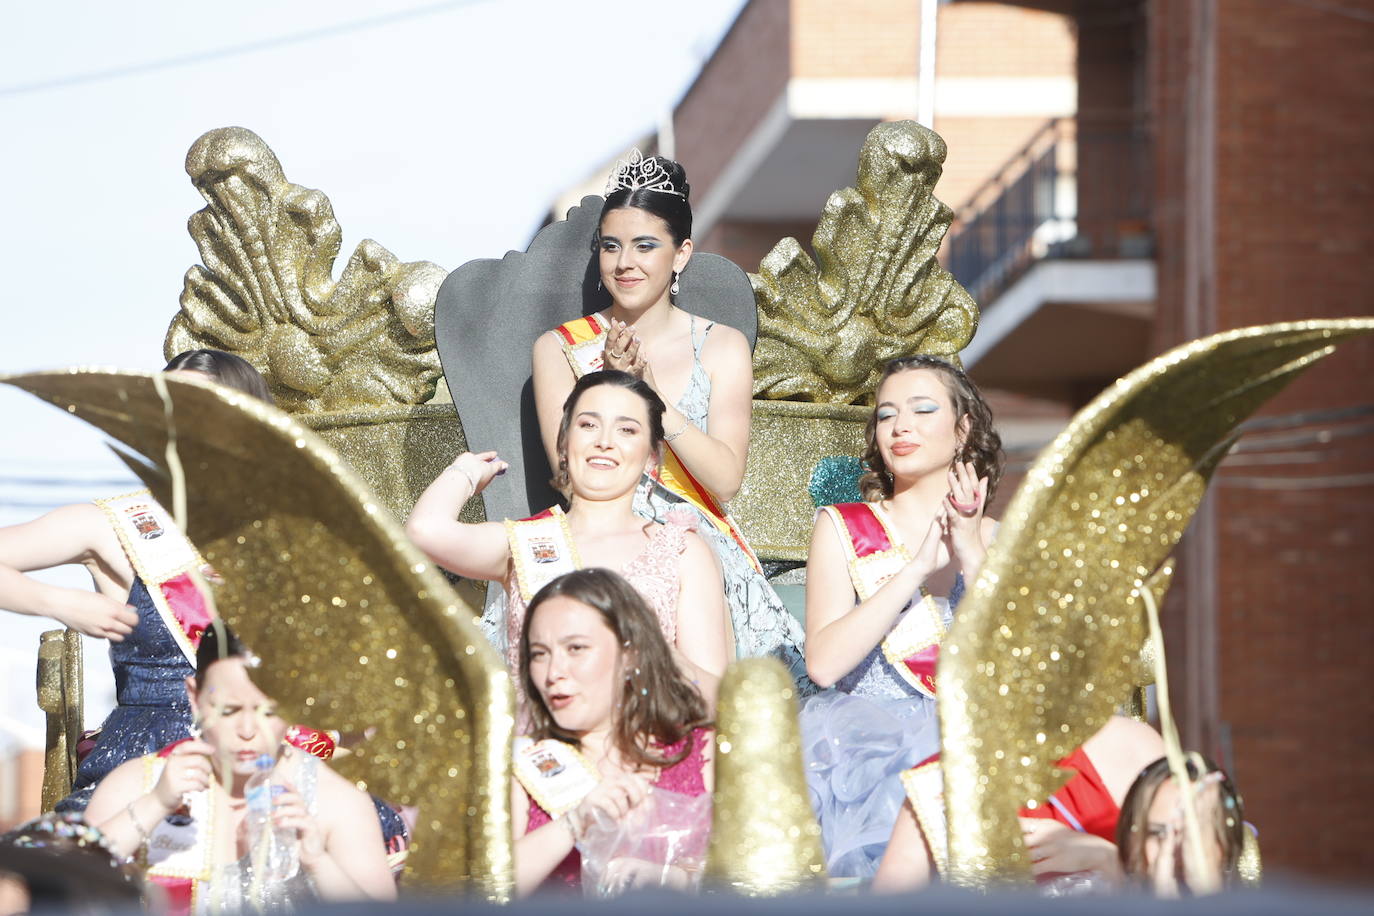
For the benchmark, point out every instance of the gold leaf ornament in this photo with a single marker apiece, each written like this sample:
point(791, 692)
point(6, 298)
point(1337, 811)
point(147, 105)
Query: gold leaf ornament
point(266, 289)
point(1047, 642)
point(877, 293)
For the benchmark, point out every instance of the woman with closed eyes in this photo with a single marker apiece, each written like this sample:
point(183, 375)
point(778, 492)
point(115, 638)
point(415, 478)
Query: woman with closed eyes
point(609, 435)
point(882, 579)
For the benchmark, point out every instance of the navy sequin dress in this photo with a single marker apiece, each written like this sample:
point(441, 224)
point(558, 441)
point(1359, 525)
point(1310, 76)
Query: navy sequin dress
point(150, 690)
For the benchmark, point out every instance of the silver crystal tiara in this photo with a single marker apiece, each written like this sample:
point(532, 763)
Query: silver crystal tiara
point(636, 172)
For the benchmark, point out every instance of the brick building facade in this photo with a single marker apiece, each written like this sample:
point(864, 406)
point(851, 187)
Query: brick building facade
point(1216, 159)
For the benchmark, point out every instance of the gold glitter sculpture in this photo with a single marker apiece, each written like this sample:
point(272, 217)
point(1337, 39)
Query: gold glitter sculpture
point(764, 835)
point(61, 698)
point(267, 291)
point(826, 329)
point(827, 326)
point(354, 357)
point(1046, 643)
point(357, 630)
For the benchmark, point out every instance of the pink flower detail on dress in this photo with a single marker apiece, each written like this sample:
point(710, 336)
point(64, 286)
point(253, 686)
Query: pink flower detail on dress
point(682, 517)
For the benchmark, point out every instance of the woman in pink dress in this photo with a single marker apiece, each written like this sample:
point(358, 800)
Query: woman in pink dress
point(609, 706)
point(611, 432)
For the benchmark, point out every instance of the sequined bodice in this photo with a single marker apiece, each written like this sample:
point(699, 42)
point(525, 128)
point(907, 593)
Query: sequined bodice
point(149, 667)
point(875, 677)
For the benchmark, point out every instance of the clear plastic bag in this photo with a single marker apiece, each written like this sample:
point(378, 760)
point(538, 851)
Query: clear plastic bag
point(661, 843)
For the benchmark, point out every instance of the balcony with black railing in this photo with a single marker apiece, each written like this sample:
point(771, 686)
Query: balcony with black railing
point(1076, 190)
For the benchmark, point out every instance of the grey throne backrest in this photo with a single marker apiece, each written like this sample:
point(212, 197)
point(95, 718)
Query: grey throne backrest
point(489, 313)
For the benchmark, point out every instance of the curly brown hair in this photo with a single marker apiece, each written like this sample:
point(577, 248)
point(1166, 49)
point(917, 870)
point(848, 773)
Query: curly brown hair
point(657, 705)
point(981, 445)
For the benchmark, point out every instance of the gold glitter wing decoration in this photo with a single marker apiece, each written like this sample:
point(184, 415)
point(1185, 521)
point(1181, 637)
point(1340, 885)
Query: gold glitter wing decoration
point(1046, 642)
point(356, 629)
point(764, 836)
point(878, 293)
point(266, 291)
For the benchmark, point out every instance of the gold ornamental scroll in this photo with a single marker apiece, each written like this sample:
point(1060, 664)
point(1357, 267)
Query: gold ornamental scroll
point(356, 629)
point(873, 292)
point(1047, 641)
point(353, 358)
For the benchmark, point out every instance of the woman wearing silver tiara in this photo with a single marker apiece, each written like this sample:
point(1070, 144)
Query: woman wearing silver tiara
point(703, 372)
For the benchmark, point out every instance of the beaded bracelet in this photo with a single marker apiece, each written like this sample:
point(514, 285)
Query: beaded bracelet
point(144, 836)
point(679, 431)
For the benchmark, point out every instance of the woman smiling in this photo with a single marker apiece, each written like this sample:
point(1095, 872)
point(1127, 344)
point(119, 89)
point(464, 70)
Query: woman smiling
point(610, 433)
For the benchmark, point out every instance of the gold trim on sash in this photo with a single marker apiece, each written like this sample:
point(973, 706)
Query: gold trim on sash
point(869, 573)
point(554, 773)
point(541, 550)
point(179, 864)
point(925, 789)
point(157, 550)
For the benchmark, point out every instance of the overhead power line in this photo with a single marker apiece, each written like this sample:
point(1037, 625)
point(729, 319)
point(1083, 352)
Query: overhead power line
point(200, 57)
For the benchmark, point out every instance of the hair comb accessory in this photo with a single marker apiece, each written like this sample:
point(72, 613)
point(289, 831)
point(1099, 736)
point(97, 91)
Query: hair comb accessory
point(636, 172)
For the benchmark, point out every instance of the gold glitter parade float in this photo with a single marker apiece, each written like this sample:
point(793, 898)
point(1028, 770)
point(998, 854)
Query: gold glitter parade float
point(362, 631)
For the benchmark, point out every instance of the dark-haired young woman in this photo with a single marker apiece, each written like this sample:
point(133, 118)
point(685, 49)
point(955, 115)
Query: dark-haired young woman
point(606, 699)
point(181, 812)
point(702, 371)
point(882, 579)
point(144, 602)
point(609, 434)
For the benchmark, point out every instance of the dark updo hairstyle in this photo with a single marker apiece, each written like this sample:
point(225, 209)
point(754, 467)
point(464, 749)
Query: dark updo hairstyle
point(217, 643)
point(657, 706)
point(981, 445)
point(652, 403)
point(672, 208)
point(1226, 822)
point(225, 368)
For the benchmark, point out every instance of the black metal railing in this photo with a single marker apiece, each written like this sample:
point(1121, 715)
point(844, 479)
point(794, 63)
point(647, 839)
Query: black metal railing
point(1072, 191)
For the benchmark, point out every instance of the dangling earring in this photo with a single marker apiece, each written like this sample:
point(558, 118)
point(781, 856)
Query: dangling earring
point(674, 289)
point(598, 284)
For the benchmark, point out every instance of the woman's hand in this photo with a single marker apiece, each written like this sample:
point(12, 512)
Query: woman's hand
point(622, 349)
point(187, 770)
point(627, 873)
point(964, 516)
point(289, 812)
point(94, 614)
point(479, 469)
point(615, 796)
point(933, 553)
point(1057, 849)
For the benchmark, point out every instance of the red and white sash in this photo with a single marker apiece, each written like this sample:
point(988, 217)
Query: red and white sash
point(164, 559)
point(874, 554)
point(584, 343)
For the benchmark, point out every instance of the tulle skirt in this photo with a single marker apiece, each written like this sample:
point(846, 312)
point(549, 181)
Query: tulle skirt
point(855, 748)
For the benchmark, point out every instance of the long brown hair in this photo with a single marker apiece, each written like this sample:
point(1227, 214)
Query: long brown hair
point(981, 444)
point(1227, 820)
point(657, 705)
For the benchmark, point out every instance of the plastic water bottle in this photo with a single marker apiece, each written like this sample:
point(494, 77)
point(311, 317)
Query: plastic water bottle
point(272, 850)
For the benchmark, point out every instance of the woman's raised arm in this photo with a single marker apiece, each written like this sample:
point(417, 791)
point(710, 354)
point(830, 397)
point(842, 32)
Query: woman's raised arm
point(77, 533)
point(477, 551)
